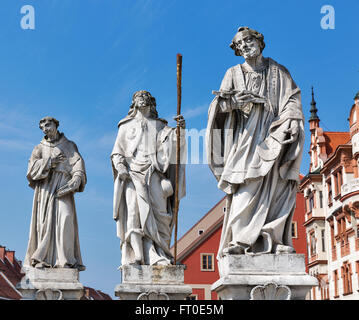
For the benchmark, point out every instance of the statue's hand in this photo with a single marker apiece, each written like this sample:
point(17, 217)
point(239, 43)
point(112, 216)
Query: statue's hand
point(56, 159)
point(246, 96)
point(70, 186)
point(122, 172)
point(292, 131)
point(180, 121)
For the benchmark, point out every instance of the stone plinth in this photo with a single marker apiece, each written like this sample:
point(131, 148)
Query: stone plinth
point(50, 284)
point(144, 282)
point(263, 277)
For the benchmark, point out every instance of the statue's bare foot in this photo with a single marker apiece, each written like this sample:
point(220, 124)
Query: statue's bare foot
point(282, 249)
point(237, 249)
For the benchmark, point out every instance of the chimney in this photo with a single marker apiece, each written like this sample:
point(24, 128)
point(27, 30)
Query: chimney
point(2, 253)
point(11, 256)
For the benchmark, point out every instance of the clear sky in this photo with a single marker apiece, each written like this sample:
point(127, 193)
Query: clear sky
point(84, 60)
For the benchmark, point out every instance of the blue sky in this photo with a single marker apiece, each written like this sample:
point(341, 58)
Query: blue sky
point(86, 58)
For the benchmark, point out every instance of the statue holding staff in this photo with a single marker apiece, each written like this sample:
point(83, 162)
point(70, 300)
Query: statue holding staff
point(143, 161)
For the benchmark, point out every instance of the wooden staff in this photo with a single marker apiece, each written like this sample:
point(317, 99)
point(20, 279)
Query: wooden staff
point(178, 153)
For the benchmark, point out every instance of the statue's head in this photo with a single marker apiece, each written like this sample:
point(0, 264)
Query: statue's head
point(49, 126)
point(247, 43)
point(142, 100)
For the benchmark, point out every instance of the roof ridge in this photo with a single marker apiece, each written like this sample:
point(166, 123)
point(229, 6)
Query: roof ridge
point(208, 212)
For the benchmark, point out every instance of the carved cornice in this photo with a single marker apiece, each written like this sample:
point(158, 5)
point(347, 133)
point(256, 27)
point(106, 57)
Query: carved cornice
point(312, 219)
point(344, 151)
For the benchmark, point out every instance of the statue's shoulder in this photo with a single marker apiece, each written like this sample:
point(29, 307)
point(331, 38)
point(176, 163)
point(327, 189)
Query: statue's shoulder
point(70, 145)
point(127, 119)
point(162, 122)
point(37, 151)
point(234, 68)
point(280, 67)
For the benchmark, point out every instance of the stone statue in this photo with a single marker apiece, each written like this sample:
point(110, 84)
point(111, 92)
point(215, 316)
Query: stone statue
point(143, 161)
point(56, 171)
point(254, 142)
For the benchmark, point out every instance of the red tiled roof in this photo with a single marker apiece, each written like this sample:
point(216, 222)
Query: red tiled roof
point(92, 294)
point(334, 139)
point(10, 274)
point(7, 289)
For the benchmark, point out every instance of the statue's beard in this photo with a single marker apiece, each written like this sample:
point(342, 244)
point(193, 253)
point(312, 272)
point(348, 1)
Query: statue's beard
point(251, 54)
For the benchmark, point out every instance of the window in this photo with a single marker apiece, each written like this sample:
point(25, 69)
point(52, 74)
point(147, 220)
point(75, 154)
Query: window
point(336, 291)
point(294, 229)
point(321, 199)
point(329, 186)
point(313, 244)
point(207, 260)
point(323, 240)
point(347, 278)
point(338, 182)
point(192, 297)
point(315, 155)
point(342, 235)
point(333, 242)
point(311, 201)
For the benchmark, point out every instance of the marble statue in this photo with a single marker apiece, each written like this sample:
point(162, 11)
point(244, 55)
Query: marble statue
point(56, 171)
point(254, 142)
point(143, 161)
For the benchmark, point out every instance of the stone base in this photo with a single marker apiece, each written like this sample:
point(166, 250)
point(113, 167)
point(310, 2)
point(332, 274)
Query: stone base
point(143, 282)
point(263, 277)
point(50, 284)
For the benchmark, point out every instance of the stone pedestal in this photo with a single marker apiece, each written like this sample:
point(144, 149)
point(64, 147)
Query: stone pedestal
point(263, 277)
point(50, 284)
point(143, 282)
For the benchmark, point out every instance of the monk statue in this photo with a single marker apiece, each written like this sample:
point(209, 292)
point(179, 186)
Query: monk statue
point(56, 171)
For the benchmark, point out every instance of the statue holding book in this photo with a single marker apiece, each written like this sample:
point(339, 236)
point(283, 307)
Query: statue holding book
point(254, 146)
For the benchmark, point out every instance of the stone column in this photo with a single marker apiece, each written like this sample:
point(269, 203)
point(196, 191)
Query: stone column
point(50, 284)
point(145, 282)
point(263, 277)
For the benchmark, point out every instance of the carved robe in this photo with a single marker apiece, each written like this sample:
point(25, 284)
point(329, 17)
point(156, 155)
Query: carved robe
point(54, 238)
point(143, 204)
point(258, 173)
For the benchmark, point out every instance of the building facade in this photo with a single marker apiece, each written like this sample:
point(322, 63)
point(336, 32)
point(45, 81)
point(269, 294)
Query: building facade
point(11, 274)
point(197, 248)
point(331, 191)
